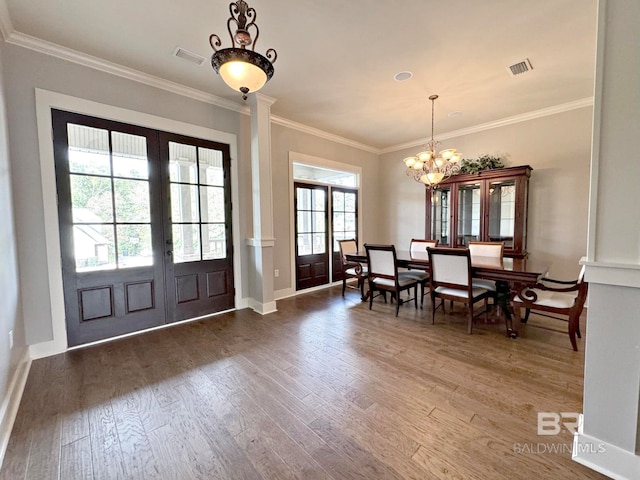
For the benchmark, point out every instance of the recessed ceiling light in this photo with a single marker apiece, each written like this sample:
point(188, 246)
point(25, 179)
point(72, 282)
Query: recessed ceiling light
point(402, 76)
point(455, 114)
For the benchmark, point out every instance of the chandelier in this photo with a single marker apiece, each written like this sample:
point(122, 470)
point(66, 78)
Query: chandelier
point(243, 70)
point(429, 168)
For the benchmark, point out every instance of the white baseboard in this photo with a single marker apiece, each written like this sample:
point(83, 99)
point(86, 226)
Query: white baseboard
point(284, 293)
point(292, 292)
point(604, 457)
point(11, 401)
point(263, 308)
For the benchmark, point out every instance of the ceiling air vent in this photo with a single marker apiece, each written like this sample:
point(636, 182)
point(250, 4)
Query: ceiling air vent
point(519, 68)
point(189, 56)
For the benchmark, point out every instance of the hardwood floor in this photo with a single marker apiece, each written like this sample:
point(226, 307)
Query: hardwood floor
point(322, 389)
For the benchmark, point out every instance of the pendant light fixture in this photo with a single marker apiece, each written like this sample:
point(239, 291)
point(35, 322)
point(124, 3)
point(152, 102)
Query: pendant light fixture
point(243, 70)
point(431, 168)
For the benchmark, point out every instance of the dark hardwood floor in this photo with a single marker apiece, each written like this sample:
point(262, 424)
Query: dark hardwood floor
point(322, 389)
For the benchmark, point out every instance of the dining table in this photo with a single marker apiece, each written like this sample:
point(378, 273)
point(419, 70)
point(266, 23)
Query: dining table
point(513, 276)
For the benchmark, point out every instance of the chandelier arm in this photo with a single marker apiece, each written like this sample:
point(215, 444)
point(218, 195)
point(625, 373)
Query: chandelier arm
point(217, 43)
point(229, 21)
point(255, 39)
point(251, 13)
point(271, 53)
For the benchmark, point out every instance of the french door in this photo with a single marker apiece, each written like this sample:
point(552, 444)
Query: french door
point(145, 226)
point(312, 235)
point(344, 223)
point(313, 226)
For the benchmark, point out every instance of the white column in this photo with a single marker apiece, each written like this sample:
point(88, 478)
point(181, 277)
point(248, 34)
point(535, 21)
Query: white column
point(263, 241)
point(608, 440)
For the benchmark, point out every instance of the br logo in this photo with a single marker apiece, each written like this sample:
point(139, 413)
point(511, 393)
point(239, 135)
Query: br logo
point(551, 423)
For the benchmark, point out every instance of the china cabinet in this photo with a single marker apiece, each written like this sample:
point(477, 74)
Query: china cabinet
point(486, 206)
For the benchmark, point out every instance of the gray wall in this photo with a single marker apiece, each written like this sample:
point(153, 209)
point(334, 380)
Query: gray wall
point(10, 302)
point(557, 147)
point(284, 140)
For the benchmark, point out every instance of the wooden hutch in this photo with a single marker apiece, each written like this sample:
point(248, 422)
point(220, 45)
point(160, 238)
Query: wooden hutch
point(486, 206)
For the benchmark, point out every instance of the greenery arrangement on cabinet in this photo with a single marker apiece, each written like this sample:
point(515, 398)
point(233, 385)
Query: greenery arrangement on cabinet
point(483, 162)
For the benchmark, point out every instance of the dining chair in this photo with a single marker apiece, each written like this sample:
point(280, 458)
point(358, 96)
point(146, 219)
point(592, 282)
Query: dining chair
point(383, 275)
point(557, 299)
point(418, 248)
point(351, 269)
point(489, 250)
point(450, 271)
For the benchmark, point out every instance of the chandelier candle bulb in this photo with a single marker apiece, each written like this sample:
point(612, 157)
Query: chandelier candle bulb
point(430, 168)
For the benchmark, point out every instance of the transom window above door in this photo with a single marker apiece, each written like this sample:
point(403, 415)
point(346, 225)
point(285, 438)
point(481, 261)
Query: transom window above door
point(329, 176)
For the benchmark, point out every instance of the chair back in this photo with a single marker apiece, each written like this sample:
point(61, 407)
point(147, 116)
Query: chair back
point(347, 246)
point(382, 261)
point(450, 267)
point(581, 274)
point(420, 246)
point(582, 289)
point(486, 249)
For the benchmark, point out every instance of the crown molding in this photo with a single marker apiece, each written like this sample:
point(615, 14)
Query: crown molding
point(322, 134)
point(48, 48)
point(524, 117)
point(70, 55)
point(6, 25)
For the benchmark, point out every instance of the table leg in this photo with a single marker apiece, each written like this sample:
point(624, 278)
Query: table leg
point(503, 297)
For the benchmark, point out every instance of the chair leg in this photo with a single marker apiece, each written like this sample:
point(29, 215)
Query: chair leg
point(470, 327)
point(344, 284)
point(433, 309)
point(371, 291)
point(573, 328)
point(397, 307)
point(415, 295)
point(486, 310)
point(361, 282)
point(421, 295)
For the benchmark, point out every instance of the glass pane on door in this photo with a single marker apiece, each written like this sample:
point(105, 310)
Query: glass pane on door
point(110, 199)
point(469, 210)
point(344, 215)
point(198, 210)
point(502, 212)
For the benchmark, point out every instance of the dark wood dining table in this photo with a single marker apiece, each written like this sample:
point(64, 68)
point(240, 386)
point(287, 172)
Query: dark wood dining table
point(514, 276)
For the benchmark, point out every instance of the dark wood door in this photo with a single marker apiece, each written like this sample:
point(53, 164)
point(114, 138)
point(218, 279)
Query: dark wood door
point(109, 207)
point(312, 235)
point(344, 223)
point(118, 233)
point(198, 245)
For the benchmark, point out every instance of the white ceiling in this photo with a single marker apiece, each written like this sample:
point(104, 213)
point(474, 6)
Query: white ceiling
point(336, 59)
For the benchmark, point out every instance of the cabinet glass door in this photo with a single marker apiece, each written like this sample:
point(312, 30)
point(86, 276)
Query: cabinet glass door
point(469, 214)
point(440, 215)
point(502, 212)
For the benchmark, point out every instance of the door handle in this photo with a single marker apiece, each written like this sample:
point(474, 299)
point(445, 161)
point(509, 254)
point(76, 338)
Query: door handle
point(169, 253)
